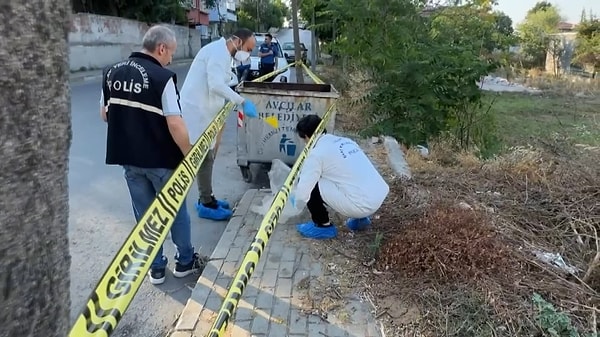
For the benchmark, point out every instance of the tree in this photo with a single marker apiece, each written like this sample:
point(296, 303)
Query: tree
point(556, 51)
point(261, 15)
point(423, 77)
point(536, 32)
point(212, 4)
point(539, 6)
point(475, 26)
point(587, 52)
point(299, 72)
point(324, 19)
point(34, 145)
point(149, 11)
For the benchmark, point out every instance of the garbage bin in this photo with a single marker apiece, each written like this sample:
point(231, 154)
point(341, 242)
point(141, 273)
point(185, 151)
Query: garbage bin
point(260, 143)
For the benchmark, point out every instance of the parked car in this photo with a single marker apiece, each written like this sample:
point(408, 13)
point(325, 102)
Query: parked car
point(254, 72)
point(289, 51)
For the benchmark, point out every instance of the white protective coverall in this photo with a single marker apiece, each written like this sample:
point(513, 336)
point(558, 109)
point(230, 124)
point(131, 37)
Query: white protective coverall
point(348, 181)
point(206, 88)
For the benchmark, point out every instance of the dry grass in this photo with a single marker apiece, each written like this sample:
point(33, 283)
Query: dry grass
point(353, 86)
point(451, 252)
point(565, 85)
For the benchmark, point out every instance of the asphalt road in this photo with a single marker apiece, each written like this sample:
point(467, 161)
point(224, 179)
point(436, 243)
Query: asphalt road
point(101, 216)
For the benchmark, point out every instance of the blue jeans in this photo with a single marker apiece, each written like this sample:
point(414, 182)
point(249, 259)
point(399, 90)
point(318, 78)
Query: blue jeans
point(144, 184)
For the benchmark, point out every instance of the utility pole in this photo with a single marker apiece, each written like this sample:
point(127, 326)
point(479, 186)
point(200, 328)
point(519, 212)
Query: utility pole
point(313, 47)
point(298, 53)
point(257, 16)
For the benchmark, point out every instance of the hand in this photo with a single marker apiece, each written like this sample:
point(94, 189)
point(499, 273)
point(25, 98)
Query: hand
point(249, 109)
point(103, 114)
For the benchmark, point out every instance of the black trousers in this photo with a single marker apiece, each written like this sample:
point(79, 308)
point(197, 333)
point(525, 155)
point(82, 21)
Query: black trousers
point(266, 68)
point(316, 207)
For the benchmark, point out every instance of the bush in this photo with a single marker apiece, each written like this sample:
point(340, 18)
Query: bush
point(424, 82)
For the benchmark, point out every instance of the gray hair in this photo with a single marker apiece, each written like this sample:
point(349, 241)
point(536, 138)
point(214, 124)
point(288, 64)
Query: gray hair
point(157, 35)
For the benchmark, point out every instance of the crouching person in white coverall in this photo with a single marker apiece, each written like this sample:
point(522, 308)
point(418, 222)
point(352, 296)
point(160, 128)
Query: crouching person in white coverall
point(336, 173)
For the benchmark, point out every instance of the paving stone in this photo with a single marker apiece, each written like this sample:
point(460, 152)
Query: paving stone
point(318, 329)
point(264, 300)
point(281, 310)
point(289, 254)
point(230, 268)
point(286, 269)
point(234, 255)
point(277, 330)
point(283, 288)
point(298, 323)
point(245, 314)
point(260, 325)
point(237, 331)
point(269, 278)
point(272, 301)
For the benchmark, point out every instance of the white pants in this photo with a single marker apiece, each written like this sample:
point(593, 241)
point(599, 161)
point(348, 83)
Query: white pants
point(340, 202)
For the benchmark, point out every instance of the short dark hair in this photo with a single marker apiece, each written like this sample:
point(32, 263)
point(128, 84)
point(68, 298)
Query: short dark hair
point(243, 34)
point(307, 125)
point(269, 36)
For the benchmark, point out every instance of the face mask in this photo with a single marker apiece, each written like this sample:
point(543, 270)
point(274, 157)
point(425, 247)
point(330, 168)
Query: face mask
point(241, 55)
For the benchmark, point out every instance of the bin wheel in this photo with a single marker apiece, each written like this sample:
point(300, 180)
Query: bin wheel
point(246, 173)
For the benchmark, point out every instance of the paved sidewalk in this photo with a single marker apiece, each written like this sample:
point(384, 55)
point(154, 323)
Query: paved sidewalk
point(280, 299)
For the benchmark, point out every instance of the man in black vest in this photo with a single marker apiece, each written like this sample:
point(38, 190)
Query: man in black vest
point(147, 136)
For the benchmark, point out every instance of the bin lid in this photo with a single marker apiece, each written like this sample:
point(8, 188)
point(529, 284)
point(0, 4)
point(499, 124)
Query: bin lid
point(288, 89)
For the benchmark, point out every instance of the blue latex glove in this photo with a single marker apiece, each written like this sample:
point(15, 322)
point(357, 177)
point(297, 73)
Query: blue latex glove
point(293, 200)
point(249, 109)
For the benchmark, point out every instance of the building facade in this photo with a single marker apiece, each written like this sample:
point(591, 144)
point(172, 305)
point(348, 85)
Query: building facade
point(222, 18)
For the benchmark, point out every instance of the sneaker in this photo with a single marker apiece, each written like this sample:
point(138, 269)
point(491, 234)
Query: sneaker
point(196, 265)
point(312, 231)
point(157, 276)
point(358, 224)
point(218, 213)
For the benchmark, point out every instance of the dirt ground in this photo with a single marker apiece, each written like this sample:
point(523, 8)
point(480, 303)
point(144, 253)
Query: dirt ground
point(503, 247)
point(458, 249)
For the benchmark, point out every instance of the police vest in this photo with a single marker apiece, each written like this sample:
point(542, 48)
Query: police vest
point(138, 134)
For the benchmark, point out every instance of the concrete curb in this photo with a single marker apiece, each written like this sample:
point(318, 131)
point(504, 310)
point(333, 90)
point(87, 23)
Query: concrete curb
point(95, 75)
point(205, 285)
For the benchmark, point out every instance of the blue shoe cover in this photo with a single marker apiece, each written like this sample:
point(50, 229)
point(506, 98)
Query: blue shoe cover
point(358, 224)
point(223, 204)
point(310, 230)
point(218, 214)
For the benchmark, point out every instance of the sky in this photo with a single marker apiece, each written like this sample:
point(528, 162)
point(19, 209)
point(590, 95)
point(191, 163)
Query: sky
point(569, 9)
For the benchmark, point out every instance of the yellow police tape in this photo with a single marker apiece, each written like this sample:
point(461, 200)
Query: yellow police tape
point(274, 73)
point(122, 279)
point(267, 226)
point(311, 74)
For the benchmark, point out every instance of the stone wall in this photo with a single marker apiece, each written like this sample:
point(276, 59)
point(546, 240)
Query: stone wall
point(96, 41)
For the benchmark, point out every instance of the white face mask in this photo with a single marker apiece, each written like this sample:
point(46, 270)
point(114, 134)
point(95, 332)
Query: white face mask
point(241, 55)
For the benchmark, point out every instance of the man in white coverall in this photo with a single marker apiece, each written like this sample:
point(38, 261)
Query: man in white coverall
point(203, 94)
point(336, 173)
